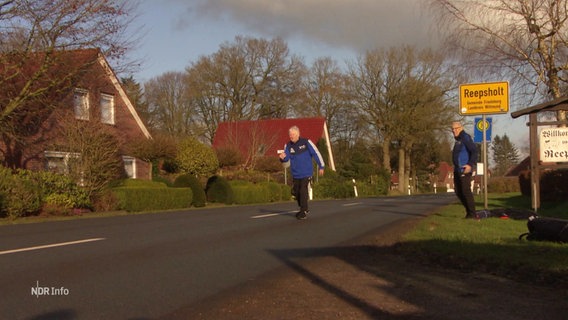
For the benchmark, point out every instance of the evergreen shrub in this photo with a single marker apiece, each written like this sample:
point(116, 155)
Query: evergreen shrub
point(553, 185)
point(503, 185)
point(218, 190)
point(135, 199)
point(246, 192)
point(190, 181)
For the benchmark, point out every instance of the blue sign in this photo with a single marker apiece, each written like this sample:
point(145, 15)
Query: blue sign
point(478, 130)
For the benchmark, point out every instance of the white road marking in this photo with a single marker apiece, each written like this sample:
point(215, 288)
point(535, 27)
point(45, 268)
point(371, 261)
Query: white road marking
point(51, 245)
point(272, 215)
point(352, 204)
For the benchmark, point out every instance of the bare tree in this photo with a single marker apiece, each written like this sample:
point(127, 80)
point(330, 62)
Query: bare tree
point(169, 109)
point(328, 95)
point(248, 79)
point(95, 158)
point(524, 39)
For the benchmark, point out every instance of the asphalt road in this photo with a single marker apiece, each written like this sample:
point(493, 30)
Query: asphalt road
point(146, 266)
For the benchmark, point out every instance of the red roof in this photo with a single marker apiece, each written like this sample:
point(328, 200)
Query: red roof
point(266, 135)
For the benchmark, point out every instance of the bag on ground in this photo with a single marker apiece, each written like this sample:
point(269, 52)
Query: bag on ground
point(546, 229)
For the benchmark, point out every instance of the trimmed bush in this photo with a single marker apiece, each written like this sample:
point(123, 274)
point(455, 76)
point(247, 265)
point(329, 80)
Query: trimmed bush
point(157, 178)
point(333, 188)
point(503, 185)
point(135, 199)
point(273, 189)
point(137, 183)
point(553, 185)
point(246, 192)
point(190, 181)
point(218, 190)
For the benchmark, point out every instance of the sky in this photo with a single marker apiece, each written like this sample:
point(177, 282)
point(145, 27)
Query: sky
point(175, 33)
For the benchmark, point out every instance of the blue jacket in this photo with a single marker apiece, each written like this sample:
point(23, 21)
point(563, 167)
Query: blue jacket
point(464, 152)
point(300, 155)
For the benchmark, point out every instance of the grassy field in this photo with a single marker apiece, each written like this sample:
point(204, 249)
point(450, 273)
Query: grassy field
point(490, 245)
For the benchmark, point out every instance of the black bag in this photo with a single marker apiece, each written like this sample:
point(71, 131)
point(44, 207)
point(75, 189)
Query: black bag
point(546, 229)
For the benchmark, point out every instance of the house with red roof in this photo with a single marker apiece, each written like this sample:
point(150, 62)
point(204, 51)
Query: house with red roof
point(266, 137)
point(91, 93)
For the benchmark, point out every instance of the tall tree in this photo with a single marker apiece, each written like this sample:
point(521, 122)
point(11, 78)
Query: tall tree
point(327, 95)
point(524, 39)
point(169, 109)
point(399, 90)
point(505, 155)
point(135, 93)
point(248, 79)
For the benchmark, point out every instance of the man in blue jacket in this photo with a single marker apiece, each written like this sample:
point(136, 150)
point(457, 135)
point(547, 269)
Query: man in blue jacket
point(464, 157)
point(300, 152)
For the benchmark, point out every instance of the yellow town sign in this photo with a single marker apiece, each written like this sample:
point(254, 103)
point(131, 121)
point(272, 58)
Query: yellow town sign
point(484, 98)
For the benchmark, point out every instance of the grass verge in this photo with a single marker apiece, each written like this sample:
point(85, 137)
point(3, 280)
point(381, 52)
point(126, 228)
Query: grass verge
point(490, 245)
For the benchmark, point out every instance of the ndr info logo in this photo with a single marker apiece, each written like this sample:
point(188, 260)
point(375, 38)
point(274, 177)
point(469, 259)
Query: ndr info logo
point(49, 291)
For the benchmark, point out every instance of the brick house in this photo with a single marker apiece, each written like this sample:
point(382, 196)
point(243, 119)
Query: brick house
point(91, 93)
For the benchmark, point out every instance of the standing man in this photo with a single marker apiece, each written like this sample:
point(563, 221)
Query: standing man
point(300, 152)
point(464, 157)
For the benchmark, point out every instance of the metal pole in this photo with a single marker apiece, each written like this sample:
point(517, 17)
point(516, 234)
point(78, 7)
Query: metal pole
point(484, 162)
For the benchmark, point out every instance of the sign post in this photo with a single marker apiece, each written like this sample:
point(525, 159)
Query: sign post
point(482, 99)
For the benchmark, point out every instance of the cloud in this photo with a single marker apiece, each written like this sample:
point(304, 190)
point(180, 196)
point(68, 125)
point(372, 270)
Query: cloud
point(357, 25)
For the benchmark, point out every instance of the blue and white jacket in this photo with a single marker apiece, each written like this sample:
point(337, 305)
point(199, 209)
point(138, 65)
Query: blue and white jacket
point(464, 152)
point(300, 155)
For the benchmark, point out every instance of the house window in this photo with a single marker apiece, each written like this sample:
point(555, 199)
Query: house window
point(129, 166)
point(81, 104)
point(58, 162)
point(107, 108)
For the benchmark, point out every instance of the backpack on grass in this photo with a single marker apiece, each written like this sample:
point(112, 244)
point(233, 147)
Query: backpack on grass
point(546, 229)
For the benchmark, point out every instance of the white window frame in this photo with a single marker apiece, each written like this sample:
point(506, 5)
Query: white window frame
point(61, 156)
point(107, 108)
point(81, 103)
point(129, 166)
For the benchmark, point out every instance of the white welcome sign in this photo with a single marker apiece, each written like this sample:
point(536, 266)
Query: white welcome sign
point(554, 145)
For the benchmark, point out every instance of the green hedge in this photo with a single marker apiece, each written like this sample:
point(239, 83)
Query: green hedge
point(134, 199)
point(190, 181)
point(503, 185)
point(247, 193)
point(336, 187)
point(218, 190)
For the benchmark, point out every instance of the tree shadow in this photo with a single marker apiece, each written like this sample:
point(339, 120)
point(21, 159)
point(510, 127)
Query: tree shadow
point(427, 291)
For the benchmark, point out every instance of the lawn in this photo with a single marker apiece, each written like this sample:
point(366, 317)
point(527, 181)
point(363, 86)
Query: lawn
point(490, 245)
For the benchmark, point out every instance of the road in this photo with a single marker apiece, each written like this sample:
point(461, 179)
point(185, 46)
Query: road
point(149, 265)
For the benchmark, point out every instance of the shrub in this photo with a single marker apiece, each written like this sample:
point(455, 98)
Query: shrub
point(157, 178)
point(245, 192)
point(135, 199)
point(273, 190)
point(196, 158)
point(138, 183)
point(219, 190)
point(269, 164)
point(553, 185)
point(105, 201)
point(503, 185)
point(229, 156)
point(20, 194)
point(189, 181)
point(26, 192)
point(61, 190)
point(333, 187)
